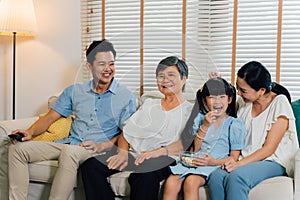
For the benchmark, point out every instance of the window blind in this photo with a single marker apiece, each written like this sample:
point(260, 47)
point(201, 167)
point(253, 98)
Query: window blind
point(208, 39)
point(144, 32)
point(257, 35)
point(159, 34)
point(215, 37)
point(91, 24)
point(122, 28)
point(290, 48)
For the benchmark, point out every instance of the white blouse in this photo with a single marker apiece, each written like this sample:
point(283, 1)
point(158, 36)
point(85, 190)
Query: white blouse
point(258, 127)
point(151, 127)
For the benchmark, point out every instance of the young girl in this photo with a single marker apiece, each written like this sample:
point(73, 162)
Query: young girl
point(219, 136)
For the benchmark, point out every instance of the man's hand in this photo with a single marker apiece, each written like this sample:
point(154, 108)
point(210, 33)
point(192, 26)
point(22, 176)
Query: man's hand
point(119, 161)
point(26, 133)
point(93, 147)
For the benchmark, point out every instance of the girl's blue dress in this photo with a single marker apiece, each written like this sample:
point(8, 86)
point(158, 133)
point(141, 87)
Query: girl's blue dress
point(230, 135)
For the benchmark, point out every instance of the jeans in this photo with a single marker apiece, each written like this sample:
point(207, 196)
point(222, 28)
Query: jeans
point(237, 184)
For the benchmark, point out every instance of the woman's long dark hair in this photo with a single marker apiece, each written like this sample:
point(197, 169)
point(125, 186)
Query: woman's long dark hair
point(217, 86)
point(257, 76)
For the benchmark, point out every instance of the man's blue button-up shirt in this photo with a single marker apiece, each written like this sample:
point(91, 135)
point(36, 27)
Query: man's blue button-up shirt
point(98, 117)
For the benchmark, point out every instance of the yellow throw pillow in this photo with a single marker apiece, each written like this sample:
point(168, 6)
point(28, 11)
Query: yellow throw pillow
point(58, 130)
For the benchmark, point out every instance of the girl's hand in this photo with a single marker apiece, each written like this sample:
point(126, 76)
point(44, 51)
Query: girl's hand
point(230, 165)
point(205, 160)
point(209, 118)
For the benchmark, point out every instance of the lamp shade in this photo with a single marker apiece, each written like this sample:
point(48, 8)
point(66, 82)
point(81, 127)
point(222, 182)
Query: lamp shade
point(17, 16)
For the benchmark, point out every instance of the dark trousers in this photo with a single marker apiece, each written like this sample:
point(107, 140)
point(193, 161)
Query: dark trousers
point(144, 181)
point(145, 186)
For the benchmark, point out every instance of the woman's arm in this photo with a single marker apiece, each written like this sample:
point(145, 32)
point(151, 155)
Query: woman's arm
point(172, 149)
point(161, 151)
point(270, 145)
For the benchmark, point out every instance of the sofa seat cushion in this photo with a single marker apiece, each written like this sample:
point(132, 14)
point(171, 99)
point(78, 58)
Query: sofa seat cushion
point(119, 183)
point(43, 171)
point(276, 188)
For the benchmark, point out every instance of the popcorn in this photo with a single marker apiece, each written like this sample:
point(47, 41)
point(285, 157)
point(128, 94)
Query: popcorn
point(186, 158)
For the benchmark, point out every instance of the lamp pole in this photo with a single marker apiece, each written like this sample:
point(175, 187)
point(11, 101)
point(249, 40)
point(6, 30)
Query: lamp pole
point(17, 17)
point(14, 77)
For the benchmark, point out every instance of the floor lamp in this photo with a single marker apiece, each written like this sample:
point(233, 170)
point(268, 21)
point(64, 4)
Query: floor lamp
point(17, 18)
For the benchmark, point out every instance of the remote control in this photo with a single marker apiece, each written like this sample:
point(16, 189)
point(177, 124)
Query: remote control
point(17, 136)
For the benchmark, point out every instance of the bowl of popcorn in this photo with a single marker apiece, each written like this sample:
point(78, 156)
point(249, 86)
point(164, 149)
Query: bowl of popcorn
point(186, 158)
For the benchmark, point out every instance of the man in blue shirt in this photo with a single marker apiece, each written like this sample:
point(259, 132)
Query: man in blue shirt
point(100, 106)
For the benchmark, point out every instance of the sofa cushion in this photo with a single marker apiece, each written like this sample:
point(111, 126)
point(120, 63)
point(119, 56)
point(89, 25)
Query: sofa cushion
point(58, 130)
point(7, 126)
point(119, 183)
point(43, 171)
point(276, 188)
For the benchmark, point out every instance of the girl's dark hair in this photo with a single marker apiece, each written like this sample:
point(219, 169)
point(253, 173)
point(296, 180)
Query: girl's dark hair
point(99, 46)
point(257, 76)
point(217, 86)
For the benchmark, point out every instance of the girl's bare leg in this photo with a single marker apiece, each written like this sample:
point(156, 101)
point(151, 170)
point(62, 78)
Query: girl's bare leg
point(172, 187)
point(191, 186)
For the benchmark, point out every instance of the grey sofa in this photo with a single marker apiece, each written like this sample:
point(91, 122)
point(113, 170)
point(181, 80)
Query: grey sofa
point(41, 175)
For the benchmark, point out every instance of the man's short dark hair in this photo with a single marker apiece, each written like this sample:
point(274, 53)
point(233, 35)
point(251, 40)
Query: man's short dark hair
point(99, 46)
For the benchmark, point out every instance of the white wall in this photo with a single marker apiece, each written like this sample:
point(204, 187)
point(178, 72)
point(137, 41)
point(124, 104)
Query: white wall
point(46, 63)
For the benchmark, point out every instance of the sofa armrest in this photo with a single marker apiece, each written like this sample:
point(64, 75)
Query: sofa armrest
point(297, 175)
point(5, 129)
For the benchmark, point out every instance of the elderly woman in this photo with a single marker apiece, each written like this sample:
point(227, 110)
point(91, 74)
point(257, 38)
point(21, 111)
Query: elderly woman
point(150, 134)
